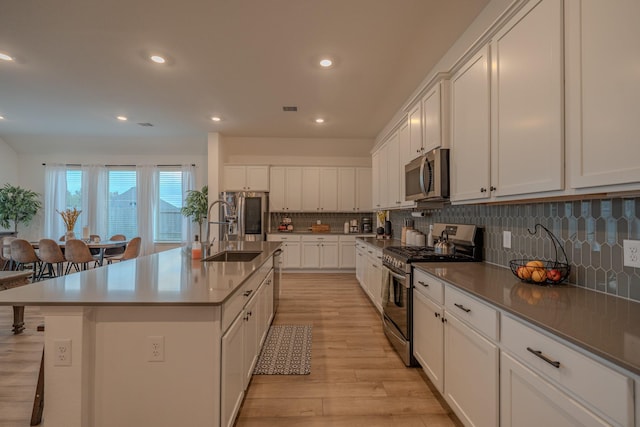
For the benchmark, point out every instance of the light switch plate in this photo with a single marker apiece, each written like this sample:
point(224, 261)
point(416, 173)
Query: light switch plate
point(506, 239)
point(631, 253)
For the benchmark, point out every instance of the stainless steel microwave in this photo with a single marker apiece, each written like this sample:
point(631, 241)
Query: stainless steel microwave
point(427, 177)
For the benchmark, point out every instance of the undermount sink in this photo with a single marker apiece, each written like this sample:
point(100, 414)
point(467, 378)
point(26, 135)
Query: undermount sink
point(233, 256)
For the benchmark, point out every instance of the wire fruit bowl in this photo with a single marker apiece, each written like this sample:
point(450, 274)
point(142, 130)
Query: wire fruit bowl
point(541, 272)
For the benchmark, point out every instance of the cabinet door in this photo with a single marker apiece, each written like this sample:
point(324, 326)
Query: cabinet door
point(393, 171)
point(310, 254)
point(528, 400)
point(329, 255)
point(376, 177)
point(361, 265)
point(603, 92)
point(346, 189)
point(428, 338)
point(291, 255)
point(278, 187)
point(251, 336)
point(375, 282)
point(293, 189)
point(310, 189)
point(257, 178)
point(471, 374)
point(470, 130)
point(328, 185)
point(266, 309)
point(415, 131)
point(348, 254)
point(363, 189)
point(234, 178)
point(404, 154)
point(232, 371)
point(431, 119)
point(527, 130)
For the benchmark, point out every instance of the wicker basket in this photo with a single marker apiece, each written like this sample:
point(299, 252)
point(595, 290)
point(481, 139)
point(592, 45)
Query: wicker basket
point(542, 272)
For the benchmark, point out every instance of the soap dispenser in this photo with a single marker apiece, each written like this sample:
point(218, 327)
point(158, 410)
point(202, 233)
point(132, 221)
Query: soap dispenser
point(196, 249)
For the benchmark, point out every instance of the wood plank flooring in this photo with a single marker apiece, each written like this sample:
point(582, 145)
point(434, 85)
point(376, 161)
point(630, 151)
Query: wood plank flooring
point(356, 378)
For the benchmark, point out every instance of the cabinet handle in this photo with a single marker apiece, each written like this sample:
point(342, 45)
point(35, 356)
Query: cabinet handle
point(444, 319)
point(374, 266)
point(462, 307)
point(538, 353)
point(426, 285)
point(249, 313)
point(437, 315)
point(247, 293)
point(492, 188)
point(483, 190)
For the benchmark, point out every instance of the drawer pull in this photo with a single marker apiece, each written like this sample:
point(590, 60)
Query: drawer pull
point(247, 293)
point(426, 285)
point(436, 314)
point(462, 307)
point(538, 353)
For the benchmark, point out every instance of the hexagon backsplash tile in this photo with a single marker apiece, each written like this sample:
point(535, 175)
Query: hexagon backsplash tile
point(591, 232)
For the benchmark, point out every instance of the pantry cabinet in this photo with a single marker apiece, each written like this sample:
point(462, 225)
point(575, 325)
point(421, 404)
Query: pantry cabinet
point(245, 178)
point(602, 93)
point(286, 189)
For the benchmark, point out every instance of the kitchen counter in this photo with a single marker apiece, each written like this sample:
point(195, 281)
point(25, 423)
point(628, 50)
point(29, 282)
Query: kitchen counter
point(164, 278)
point(602, 324)
point(381, 243)
point(307, 232)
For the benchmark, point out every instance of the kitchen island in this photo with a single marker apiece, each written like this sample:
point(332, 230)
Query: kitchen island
point(141, 342)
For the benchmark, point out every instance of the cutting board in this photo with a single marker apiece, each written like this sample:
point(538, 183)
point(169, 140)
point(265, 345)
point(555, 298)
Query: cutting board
point(320, 228)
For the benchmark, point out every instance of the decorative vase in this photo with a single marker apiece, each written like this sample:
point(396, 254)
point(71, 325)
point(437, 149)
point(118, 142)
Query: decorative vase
point(69, 235)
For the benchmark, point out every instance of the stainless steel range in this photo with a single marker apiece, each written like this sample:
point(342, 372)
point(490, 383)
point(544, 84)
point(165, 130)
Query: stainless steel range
point(397, 306)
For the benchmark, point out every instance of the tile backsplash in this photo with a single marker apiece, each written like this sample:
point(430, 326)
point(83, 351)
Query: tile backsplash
point(303, 221)
point(591, 232)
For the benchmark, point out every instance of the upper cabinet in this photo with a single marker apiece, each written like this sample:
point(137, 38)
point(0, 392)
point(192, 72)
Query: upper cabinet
point(435, 114)
point(414, 130)
point(246, 178)
point(354, 189)
point(602, 92)
point(320, 189)
point(286, 189)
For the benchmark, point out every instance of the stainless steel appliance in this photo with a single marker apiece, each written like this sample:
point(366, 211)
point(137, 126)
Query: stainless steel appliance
point(251, 209)
point(367, 226)
point(398, 307)
point(427, 177)
point(277, 278)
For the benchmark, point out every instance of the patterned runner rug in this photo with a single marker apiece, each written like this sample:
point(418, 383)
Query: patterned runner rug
point(286, 351)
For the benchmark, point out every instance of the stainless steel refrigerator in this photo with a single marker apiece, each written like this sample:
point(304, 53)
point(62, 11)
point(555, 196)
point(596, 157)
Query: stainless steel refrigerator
point(251, 220)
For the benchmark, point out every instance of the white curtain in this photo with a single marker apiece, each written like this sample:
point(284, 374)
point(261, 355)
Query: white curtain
point(147, 202)
point(55, 194)
point(188, 183)
point(94, 199)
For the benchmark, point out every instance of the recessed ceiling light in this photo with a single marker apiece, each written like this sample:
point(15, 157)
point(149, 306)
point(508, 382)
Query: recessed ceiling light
point(1, 117)
point(216, 118)
point(326, 63)
point(5, 57)
point(319, 120)
point(158, 59)
point(122, 118)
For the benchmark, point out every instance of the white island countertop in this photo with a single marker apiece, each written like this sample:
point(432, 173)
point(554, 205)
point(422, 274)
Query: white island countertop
point(165, 278)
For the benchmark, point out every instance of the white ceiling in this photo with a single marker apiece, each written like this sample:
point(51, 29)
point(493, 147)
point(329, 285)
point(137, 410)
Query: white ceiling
point(79, 63)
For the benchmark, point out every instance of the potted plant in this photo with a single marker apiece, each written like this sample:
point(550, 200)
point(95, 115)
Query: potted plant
point(196, 205)
point(18, 205)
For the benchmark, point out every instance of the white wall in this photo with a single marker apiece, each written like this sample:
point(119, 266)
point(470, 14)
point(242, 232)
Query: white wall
point(31, 173)
point(8, 164)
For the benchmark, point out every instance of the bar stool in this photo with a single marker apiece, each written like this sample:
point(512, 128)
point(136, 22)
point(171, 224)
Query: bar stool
point(50, 253)
point(77, 254)
point(23, 254)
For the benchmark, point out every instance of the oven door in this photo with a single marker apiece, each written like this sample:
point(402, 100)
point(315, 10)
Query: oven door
point(396, 304)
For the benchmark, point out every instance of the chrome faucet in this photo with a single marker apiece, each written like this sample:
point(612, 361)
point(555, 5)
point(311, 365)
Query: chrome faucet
point(228, 220)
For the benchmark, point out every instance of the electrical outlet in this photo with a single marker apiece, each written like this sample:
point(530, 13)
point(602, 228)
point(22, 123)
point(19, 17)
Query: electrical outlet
point(155, 348)
point(631, 253)
point(62, 352)
point(506, 239)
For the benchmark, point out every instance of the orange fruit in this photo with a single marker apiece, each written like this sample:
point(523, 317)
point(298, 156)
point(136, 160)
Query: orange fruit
point(536, 263)
point(523, 272)
point(539, 275)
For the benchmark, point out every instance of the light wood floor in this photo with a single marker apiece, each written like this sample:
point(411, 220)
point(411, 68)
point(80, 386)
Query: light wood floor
point(356, 378)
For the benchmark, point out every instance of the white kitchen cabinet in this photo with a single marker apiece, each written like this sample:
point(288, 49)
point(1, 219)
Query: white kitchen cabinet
point(371, 273)
point(378, 177)
point(291, 249)
point(470, 374)
point(310, 189)
point(527, 129)
point(319, 252)
point(251, 317)
point(354, 189)
point(232, 370)
point(602, 92)
point(245, 178)
point(395, 195)
point(414, 120)
point(328, 189)
point(347, 252)
point(428, 332)
point(435, 113)
point(319, 189)
point(286, 189)
point(361, 263)
point(405, 155)
point(266, 309)
point(470, 129)
point(363, 189)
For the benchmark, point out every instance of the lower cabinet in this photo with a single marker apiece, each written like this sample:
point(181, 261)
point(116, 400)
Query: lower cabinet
point(347, 252)
point(319, 252)
point(369, 272)
point(428, 338)
point(291, 249)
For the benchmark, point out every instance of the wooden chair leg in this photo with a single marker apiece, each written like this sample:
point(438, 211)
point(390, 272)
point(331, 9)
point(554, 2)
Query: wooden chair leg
point(38, 400)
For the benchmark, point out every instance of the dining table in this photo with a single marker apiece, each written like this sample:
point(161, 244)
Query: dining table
point(101, 245)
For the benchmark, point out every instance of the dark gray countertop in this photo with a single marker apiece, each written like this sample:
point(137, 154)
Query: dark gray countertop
point(602, 324)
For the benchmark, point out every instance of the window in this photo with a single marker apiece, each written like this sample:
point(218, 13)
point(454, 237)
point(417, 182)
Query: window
point(169, 219)
point(121, 203)
point(73, 198)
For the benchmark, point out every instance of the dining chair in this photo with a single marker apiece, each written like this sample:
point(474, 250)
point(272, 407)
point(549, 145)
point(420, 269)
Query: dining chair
point(131, 251)
point(50, 254)
point(23, 254)
point(78, 255)
point(115, 251)
point(5, 252)
point(92, 238)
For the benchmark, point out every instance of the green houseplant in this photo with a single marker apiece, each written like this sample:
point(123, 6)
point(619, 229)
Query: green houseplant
point(18, 205)
point(196, 205)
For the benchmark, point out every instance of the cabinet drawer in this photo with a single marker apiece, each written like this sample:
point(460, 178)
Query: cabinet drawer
point(472, 311)
point(283, 238)
point(324, 238)
point(428, 286)
point(597, 385)
point(243, 294)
